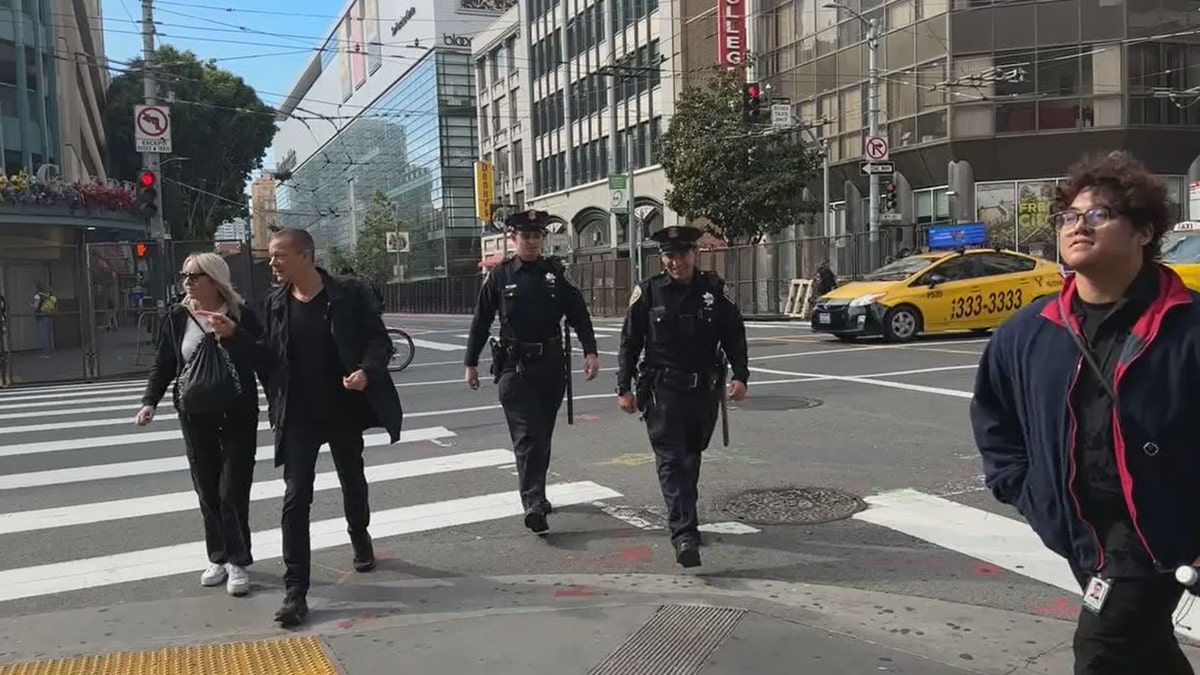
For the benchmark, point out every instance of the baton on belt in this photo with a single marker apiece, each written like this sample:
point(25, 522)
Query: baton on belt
point(567, 373)
point(724, 417)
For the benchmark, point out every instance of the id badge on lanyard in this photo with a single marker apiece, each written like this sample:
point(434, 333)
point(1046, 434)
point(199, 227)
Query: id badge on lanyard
point(1096, 593)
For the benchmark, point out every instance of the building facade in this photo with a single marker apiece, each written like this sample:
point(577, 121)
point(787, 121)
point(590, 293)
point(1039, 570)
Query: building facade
point(985, 104)
point(81, 86)
point(263, 213)
point(388, 105)
point(577, 124)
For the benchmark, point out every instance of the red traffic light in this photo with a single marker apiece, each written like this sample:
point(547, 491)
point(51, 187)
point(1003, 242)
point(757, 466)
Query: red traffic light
point(140, 249)
point(147, 178)
point(753, 91)
point(891, 187)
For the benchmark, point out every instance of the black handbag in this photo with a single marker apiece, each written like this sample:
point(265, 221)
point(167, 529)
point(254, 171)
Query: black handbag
point(209, 383)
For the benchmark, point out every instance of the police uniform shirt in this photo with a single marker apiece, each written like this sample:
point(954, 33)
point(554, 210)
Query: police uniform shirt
point(680, 325)
point(531, 298)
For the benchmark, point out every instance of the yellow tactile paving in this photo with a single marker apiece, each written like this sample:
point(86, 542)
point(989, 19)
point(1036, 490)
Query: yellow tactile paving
point(292, 656)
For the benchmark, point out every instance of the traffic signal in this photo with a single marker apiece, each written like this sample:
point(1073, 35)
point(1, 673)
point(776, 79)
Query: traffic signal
point(139, 249)
point(890, 198)
point(147, 195)
point(753, 103)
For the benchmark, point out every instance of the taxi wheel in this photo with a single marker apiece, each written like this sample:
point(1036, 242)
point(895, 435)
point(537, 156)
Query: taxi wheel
point(901, 324)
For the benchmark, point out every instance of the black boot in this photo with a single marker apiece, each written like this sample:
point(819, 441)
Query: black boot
point(687, 552)
point(535, 518)
point(364, 552)
point(293, 612)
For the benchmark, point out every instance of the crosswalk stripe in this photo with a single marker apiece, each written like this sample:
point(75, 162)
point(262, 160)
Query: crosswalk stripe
point(79, 386)
point(145, 467)
point(130, 397)
point(121, 509)
point(39, 580)
point(1002, 541)
point(117, 440)
point(437, 346)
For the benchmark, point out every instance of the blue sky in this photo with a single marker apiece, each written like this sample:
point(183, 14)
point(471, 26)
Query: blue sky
point(266, 42)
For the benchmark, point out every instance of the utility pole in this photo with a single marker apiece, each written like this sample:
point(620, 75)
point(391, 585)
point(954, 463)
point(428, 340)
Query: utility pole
point(873, 130)
point(635, 227)
point(150, 160)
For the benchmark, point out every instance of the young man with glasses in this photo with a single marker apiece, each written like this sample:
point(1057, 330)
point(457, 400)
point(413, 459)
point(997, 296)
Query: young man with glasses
point(1085, 415)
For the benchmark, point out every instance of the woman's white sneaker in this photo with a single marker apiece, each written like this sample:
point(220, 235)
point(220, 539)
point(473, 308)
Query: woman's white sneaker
point(239, 580)
point(213, 576)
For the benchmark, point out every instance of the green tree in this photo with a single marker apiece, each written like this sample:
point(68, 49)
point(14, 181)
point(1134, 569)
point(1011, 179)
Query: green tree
point(218, 123)
point(370, 258)
point(747, 181)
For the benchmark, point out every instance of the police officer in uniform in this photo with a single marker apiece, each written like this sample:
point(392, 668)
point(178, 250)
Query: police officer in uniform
point(683, 321)
point(532, 294)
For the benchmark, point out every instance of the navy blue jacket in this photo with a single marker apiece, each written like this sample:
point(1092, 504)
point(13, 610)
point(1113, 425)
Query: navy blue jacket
point(1025, 428)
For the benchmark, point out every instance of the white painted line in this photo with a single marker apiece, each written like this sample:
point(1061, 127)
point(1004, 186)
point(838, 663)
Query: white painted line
point(437, 346)
point(264, 453)
point(731, 527)
point(121, 509)
point(130, 397)
point(627, 515)
point(111, 391)
point(869, 380)
point(867, 348)
point(787, 325)
point(1004, 542)
point(118, 440)
point(21, 392)
point(39, 580)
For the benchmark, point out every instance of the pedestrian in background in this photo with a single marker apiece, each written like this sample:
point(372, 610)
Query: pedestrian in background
point(687, 328)
point(327, 382)
point(220, 441)
point(532, 294)
point(1085, 415)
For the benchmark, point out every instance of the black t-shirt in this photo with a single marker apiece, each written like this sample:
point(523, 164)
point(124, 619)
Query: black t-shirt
point(1106, 329)
point(315, 390)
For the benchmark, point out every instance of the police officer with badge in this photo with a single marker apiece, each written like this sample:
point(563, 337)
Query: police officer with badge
point(530, 360)
point(688, 330)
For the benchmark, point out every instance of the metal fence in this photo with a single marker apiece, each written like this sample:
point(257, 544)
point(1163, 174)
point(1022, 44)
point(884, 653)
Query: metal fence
point(111, 297)
point(451, 295)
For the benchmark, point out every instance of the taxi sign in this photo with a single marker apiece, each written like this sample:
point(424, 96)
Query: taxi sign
point(1186, 226)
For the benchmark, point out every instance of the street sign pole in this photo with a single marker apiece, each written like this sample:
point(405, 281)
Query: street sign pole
point(873, 124)
point(151, 159)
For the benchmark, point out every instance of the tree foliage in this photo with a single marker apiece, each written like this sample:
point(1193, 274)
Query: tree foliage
point(370, 258)
point(218, 123)
point(748, 182)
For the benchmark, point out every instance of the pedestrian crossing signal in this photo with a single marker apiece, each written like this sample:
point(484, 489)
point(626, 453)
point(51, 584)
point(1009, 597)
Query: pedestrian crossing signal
point(139, 249)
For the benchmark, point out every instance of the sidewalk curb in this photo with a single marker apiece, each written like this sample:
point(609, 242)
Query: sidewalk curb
point(978, 639)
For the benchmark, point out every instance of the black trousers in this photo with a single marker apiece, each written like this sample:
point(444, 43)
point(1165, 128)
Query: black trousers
point(531, 398)
point(301, 443)
point(680, 425)
point(1134, 633)
point(220, 453)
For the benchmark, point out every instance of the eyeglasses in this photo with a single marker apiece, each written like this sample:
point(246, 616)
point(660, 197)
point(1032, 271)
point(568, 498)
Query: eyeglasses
point(191, 277)
point(1093, 219)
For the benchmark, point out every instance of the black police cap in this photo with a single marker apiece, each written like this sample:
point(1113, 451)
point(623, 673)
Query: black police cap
point(528, 221)
point(677, 238)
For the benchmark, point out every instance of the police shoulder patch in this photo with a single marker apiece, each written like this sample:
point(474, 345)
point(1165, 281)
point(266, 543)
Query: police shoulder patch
point(636, 295)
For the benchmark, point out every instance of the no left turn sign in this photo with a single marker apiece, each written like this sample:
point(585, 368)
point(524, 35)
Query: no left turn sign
point(876, 149)
point(152, 128)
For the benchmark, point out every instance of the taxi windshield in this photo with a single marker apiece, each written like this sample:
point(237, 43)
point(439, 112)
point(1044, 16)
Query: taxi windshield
point(1179, 248)
point(900, 269)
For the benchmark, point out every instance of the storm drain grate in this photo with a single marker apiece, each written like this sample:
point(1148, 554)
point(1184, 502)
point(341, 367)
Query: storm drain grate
point(677, 640)
point(793, 505)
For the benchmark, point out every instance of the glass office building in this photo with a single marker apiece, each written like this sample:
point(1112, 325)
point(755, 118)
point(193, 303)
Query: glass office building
point(28, 86)
point(1017, 91)
point(416, 143)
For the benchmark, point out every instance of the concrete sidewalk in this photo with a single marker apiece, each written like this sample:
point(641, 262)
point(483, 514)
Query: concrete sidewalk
point(601, 624)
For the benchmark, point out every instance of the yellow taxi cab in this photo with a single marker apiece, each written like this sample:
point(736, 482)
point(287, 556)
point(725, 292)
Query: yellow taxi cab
point(1181, 252)
point(965, 289)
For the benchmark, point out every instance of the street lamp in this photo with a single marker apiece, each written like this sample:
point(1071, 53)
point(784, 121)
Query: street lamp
point(872, 120)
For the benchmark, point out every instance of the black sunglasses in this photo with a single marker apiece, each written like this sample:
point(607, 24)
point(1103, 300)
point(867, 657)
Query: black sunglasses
point(191, 277)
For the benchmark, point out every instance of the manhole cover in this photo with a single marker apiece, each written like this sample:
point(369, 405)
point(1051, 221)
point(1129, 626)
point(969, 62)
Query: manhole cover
point(782, 506)
point(777, 403)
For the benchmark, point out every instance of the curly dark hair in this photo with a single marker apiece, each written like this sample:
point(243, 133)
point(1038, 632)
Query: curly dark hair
point(1129, 188)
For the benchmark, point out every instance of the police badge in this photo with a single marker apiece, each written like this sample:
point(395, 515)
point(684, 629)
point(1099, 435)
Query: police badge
point(708, 299)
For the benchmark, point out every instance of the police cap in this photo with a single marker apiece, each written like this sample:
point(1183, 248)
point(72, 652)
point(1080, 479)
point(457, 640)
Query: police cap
point(677, 238)
point(528, 221)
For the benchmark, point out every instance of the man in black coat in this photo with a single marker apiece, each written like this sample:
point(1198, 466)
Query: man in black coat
point(327, 380)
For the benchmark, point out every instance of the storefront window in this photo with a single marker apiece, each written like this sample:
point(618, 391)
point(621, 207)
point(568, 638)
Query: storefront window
point(1035, 199)
point(995, 207)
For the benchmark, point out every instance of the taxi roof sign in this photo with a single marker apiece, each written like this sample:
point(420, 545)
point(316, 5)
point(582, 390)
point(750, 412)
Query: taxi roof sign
point(1186, 226)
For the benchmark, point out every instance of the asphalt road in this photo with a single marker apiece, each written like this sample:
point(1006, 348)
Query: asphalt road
point(95, 512)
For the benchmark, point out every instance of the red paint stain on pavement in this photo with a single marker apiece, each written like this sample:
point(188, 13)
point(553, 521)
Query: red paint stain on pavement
point(1062, 607)
point(349, 623)
point(574, 591)
point(588, 418)
point(633, 555)
point(986, 570)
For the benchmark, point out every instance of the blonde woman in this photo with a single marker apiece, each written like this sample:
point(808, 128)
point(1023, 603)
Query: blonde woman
point(221, 440)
